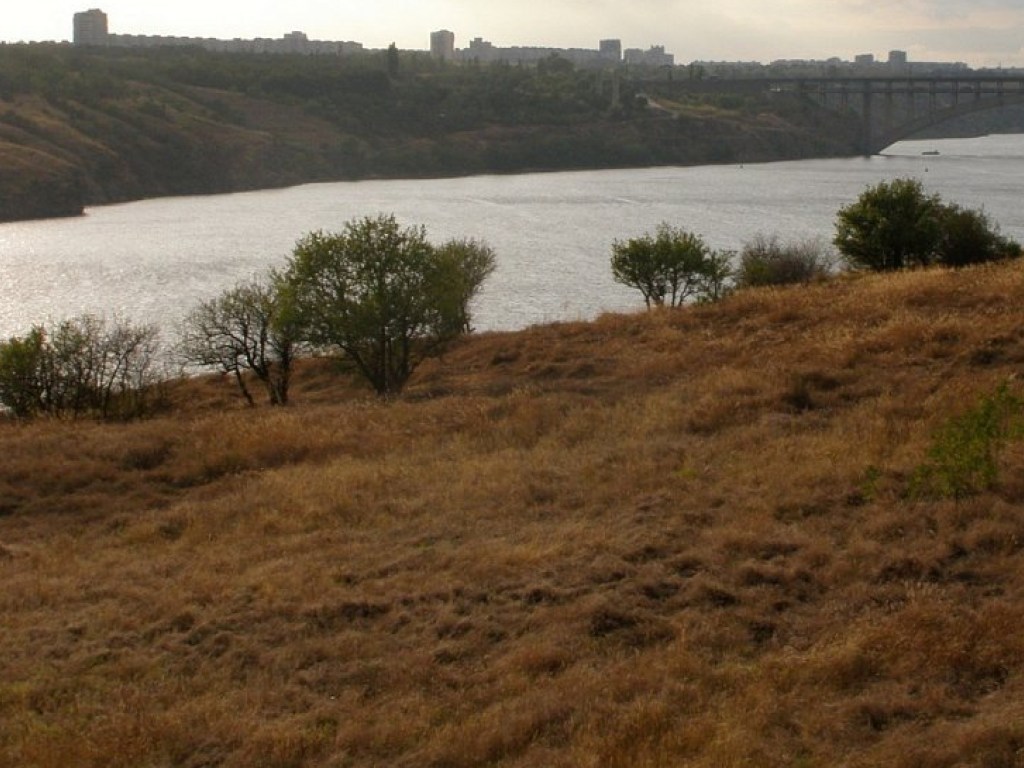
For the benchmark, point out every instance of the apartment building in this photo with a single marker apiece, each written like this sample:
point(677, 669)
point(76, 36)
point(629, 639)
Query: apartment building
point(442, 45)
point(90, 27)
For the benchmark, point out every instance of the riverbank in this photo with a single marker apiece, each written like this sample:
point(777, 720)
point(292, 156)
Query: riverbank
point(678, 537)
point(81, 128)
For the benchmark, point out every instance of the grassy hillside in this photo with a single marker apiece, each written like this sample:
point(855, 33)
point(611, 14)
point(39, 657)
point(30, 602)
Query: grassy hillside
point(677, 538)
point(84, 127)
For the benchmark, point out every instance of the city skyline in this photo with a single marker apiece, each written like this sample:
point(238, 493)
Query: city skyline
point(979, 32)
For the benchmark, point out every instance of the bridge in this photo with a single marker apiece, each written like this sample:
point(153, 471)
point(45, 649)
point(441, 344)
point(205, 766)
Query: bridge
point(889, 108)
point(893, 108)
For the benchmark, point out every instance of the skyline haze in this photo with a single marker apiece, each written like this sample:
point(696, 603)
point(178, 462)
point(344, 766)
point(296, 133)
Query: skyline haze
point(982, 33)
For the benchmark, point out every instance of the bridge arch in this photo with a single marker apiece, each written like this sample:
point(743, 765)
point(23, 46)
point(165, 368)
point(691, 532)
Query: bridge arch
point(908, 129)
point(894, 108)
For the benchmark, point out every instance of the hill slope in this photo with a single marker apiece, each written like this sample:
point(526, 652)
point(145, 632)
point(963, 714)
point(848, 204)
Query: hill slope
point(83, 127)
point(682, 537)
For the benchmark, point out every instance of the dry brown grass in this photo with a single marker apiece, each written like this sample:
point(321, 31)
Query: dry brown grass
point(676, 538)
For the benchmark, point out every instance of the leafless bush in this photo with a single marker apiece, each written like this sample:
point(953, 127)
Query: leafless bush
point(767, 261)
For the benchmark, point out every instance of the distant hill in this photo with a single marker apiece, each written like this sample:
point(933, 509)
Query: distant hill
point(83, 127)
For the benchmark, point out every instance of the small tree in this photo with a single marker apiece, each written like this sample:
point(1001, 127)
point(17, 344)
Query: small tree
point(766, 261)
point(127, 374)
point(468, 263)
point(717, 279)
point(891, 226)
point(636, 263)
point(243, 330)
point(670, 267)
point(382, 295)
point(22, 387)
point(74, 365)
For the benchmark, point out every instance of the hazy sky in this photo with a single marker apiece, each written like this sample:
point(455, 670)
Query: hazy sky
point(979, 32)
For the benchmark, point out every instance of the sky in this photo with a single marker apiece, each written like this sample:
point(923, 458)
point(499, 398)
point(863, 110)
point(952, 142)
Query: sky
point(978, 32)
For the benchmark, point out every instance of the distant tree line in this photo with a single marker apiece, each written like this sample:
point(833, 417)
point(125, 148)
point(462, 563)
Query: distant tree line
point(363, 94)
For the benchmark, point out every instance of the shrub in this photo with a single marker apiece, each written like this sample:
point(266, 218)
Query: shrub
point(968, 237)
point(895, 225)
point(891, 226)
point(767, 261)
point(81, 366)
point(670, 267)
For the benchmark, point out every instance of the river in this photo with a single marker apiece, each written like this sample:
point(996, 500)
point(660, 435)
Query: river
point(151, 261)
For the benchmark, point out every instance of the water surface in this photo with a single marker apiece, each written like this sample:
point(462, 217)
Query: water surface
point(153, 260)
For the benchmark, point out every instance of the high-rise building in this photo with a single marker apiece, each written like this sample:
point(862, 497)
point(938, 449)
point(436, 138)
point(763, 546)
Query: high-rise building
point(897, 59)
point(295, 42)
point(90, 27)
point(610, 50)
point(442, 45)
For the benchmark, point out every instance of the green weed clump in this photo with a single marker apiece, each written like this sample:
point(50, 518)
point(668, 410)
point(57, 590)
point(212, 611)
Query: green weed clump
point(963, 459)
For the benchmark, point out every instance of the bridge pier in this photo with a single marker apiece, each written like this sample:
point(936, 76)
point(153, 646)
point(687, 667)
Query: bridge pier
point(866, 121)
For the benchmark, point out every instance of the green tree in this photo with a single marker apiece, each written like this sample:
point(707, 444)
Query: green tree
point(891, 226)
point(670, 267)
point(382, 295)
point(22, 386)
point(243, 330)
point(468, 263)
point(968, 237)
point(716, 276)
